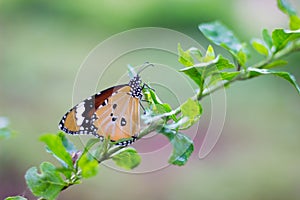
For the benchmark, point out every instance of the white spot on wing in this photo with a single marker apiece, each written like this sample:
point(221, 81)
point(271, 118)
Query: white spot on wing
point(80, 108)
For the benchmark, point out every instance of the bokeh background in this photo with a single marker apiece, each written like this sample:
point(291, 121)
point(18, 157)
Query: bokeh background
point(42, 45)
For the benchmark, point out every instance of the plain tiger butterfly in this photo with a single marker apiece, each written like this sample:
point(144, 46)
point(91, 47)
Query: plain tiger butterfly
point(113, 113)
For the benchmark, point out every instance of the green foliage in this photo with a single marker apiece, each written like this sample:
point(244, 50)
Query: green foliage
point(286, 7)
point(283, 37)
point(261, 47)
point(212, 71)
point(47, 184)
point(88, 165)
point(75, 165)
point(182, 146)
point(191, 111)
point(219, 34)
point(127, 158)
point(254, 72)
point(156, 106)
point(56, 147)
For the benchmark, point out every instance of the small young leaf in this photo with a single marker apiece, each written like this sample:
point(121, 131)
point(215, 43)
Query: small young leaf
point(15, 198)
point(254, 72)
point(191, 110)
point(242, 57)
point(282, 37)
point(294, 22)
point(196, 53)
point(56, 147)
point(128, 158)
point(185, 57)
point(47, 184)
point(228, 76)
point(267, 38)
point(276, 63)
point(182, 146)
point(88, 165)
point(260, 47)
point(286, 7)
point(210, 54)
point(224, 63)
point(221, 76)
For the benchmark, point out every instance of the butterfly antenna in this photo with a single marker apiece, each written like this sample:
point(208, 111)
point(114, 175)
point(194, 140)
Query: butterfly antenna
point(145, 65)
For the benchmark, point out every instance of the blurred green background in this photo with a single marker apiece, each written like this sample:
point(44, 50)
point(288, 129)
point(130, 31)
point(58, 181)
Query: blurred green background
point(42, 45)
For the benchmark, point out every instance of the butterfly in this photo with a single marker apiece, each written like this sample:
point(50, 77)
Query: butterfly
point(113, 113)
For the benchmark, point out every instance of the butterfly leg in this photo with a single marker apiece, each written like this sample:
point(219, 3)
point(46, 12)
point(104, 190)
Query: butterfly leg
point(147, 86)
point(143, 107)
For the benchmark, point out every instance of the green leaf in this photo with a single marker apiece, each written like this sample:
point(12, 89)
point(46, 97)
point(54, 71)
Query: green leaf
point(88, 165)
point(91, 142)
point(202, 70)
point(182, 146)
point(294, 22)
point(56, 147)
point(16, 198)
point(5, 132)
point(151, 97)
point(222, 36)
point(185, 57)
point(286, 7)
point(254, 72)
point(229, 76)
point(221, 76)
point(209, 55)
point(195, 75)
point(276, 63)
point(260, 47)
point(156, 105)
point(191, 110)
point(69, 146)
point(267, 38)
point(223, 63)
point(127, 158)
point(47, 184)
point(196, 53)
point(282, 37)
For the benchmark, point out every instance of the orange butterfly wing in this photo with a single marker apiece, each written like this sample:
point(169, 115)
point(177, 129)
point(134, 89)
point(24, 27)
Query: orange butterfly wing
point(112, 113)
point(120, 118)
point(78, 120)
